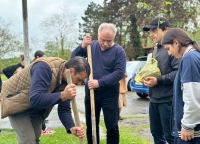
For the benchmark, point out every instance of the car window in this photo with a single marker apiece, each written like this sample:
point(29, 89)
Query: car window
point(140, 65)
point(142, 58)
point(128, 64)
point(131, 65)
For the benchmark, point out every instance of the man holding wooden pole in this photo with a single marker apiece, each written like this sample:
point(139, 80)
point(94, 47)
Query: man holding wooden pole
point(108, 65)
point(29, 96)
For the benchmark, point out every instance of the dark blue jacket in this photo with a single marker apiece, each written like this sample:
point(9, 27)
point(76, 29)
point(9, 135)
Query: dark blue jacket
point(108, 65)
point(188, 73)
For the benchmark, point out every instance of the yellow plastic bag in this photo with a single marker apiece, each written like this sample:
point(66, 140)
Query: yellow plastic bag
point(150, 69)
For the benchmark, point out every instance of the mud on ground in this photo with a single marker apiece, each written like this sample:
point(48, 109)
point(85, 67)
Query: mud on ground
point(135, 123)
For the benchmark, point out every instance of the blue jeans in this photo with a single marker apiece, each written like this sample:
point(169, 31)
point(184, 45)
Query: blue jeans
point(159, 116)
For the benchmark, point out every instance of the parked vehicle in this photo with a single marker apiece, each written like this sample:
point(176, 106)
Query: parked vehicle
point(142, 58)
point(130, 68)
point(140, 89)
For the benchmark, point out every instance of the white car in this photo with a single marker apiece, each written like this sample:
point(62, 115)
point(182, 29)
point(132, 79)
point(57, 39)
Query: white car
point(131, 67)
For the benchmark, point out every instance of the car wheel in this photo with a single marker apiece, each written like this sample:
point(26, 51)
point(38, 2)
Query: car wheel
point(128, 85)
point(142, 95)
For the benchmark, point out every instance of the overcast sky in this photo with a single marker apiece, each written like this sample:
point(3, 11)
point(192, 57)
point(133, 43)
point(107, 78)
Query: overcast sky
point(38, 10)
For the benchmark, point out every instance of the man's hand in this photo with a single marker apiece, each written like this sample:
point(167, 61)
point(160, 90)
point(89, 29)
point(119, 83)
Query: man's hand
point(186, 135)
point(125, 75)
point(21, 59)
point(69, 92)
point(22, 63)
point(87, 40)
point(150, 81)
point(92, 84)
point(78, 131)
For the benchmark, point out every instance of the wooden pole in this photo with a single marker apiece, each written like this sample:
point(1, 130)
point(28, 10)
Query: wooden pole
point(25, 31)
point(89, 56)
point(74, 106)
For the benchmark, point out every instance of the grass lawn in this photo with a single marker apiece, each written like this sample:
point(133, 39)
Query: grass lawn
point(61, 137)
point(3, 77)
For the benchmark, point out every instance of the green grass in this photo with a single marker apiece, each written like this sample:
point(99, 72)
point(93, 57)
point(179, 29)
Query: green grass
point(3, 77)
point(60, 137)
point(9, 137)
point(127, 136)
point(136, 116)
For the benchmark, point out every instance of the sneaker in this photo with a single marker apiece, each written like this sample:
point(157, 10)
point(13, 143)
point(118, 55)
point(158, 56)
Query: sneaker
point(120, 118)
point(48, 131)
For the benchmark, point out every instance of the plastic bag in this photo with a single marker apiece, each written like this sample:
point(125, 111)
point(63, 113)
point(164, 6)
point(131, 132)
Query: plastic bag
point(150, 69)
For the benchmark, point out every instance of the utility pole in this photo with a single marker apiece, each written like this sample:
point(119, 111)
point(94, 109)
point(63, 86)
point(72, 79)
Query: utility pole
point(25, 32)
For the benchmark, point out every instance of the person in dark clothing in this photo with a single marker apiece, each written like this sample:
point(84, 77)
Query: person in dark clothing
point(109, 63)
point(186, 102)
point(10, 70)
point(40, 86)
point(38, 54)
point(161, 88)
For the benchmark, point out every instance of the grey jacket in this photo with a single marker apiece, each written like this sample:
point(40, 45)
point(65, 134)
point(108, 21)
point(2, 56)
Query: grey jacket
point(168, 65)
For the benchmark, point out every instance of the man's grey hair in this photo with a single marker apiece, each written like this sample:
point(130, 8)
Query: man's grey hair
point(108, 26)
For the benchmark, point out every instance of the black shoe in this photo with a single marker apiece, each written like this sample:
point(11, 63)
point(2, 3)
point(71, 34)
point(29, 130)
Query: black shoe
point(120, 118)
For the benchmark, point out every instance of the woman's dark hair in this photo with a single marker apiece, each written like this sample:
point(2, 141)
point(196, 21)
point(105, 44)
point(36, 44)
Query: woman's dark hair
point(181, 36)
point(38, 53)
point(79, 64)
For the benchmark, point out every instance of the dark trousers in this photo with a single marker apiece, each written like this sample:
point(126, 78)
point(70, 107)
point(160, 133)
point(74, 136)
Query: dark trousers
point(43, 125)
point(177, 140)
point(107, 100)
point(159, 116)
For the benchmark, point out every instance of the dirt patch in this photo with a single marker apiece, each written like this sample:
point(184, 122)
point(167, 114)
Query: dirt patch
point(135, 123)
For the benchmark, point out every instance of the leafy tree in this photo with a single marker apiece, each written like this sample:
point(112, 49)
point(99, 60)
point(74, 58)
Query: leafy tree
point(91, 21)
point(9, 41)
point(128, 35)
point(135, 39)
point(60, 30)
point(178, 12)
point(8, 62)
point(113, 13)
point(51, 50)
